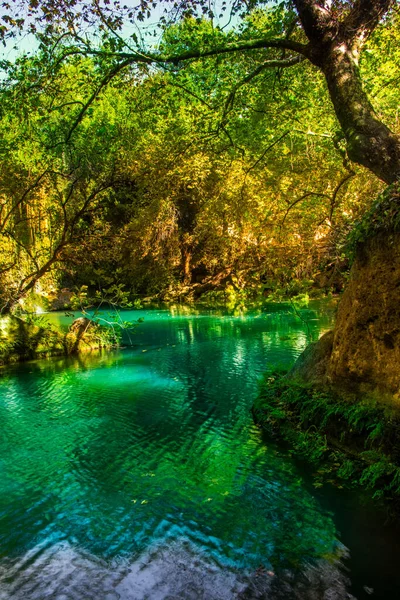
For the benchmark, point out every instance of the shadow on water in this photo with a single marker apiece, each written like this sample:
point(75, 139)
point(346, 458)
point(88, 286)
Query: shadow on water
point(139, 473)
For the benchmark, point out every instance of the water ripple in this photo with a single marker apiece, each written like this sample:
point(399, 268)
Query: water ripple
point(108, 462)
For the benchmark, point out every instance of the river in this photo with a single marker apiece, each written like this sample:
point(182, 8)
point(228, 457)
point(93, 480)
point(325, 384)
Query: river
point(139, 473)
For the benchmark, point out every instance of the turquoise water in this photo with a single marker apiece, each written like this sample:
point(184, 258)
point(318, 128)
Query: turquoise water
point(140, 474)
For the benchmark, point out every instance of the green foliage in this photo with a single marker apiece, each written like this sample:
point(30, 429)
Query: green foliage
point(31, 336)
point(28, 337)
point(107, 326)
point(346, 438)
point(182, 177)
point(382, 218)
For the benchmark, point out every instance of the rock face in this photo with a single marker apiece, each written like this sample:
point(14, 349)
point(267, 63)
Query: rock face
point(366, 344)
point(363, 351)
point(312, 365)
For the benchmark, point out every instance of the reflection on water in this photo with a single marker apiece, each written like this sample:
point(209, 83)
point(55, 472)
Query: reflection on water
point(112, 464)
point(174, 570)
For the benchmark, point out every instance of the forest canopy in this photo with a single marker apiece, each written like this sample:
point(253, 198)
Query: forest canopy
point(172, 149)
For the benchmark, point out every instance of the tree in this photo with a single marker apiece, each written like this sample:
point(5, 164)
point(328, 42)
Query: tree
point(330, 35)
point(49, 192)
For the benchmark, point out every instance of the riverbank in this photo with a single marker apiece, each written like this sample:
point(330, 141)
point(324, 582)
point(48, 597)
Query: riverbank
point(34, 336)
point(350, 439)
point(31, 337)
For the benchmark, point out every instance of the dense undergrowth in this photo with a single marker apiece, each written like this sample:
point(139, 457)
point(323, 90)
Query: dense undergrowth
point(28, 337)
point(349, 441)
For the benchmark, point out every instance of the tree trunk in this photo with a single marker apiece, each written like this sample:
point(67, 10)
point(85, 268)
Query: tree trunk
point(335, 43)
point(369, 142)
point(186, 266)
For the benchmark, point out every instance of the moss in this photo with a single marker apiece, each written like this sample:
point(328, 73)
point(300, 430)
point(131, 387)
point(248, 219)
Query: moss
point(348, 439)
point(382, 218)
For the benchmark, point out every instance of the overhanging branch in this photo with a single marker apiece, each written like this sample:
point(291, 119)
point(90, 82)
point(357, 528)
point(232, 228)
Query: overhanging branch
point(104, 82)
point(128, 59)
point(199, 53)
point(300, 199)
point(268, 64)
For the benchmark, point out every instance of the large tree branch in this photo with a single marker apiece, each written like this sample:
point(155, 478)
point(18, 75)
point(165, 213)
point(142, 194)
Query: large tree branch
point(318, 21)
point(198, 53)
point(66, 239)
point(323, 26)
point(245, 45)
point(268, 64)
point(363, 18)
point(103, 83)
point(128, 59)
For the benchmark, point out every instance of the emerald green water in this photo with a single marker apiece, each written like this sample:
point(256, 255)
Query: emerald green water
point(140, 474)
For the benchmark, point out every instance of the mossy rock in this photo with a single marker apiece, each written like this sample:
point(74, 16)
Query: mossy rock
point(23, 339)
point(313, 363)
point(362, 354)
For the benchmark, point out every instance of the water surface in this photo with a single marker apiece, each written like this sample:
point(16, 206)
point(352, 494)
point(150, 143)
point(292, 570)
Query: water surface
point(140, 474)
